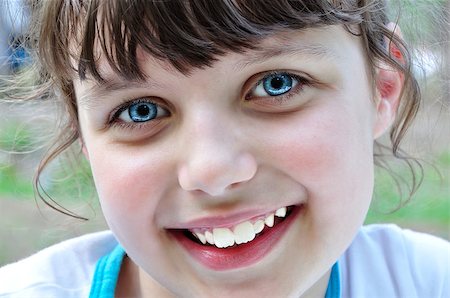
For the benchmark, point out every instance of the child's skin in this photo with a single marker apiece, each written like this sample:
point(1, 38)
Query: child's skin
point(220, 149)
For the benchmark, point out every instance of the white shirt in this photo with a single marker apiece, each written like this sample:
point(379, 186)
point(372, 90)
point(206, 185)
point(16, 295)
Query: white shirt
point(64, 270)
point(382, 261)
point(386, 261)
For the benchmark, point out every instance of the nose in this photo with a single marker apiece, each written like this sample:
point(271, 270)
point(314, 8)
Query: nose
point(215, 160)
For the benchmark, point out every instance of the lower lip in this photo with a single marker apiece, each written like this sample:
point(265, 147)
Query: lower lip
point(244, 255)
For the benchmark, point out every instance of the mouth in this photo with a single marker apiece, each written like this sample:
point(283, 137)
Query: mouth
point(240, 245)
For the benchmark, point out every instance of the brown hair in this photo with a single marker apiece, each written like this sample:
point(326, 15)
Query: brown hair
point(192, 34)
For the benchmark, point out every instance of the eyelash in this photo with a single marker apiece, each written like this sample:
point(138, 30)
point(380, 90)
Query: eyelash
point(301, 83)
point(279, 99)
point(114, 118)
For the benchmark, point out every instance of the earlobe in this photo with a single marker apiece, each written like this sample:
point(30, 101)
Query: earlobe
point(385, 117)
point(84, 149)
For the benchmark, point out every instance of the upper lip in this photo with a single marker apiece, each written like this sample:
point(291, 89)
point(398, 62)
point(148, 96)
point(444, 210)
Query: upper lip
point(224, 220)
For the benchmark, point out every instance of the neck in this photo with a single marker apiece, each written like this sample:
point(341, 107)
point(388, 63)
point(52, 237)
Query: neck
point(318, 289)
point(134, 282)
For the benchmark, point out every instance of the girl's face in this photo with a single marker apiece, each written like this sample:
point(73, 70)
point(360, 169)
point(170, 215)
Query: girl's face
point(219, 151)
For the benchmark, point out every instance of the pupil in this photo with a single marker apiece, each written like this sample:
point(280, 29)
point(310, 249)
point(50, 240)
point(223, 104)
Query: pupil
point(276, 83)
point(143, 110)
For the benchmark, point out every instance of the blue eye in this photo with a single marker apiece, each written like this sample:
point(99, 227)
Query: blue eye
point(141, 112)
point(275, 84)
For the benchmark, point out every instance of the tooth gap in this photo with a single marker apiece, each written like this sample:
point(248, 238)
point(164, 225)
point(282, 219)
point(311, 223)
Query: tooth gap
point(190, 236)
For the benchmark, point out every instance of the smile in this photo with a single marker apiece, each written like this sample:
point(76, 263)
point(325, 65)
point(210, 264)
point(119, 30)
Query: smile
point(240, 245)
point(241, 233)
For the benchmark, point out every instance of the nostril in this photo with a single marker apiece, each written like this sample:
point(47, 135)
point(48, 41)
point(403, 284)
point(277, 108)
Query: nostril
point(215, 176)
point(234, 185)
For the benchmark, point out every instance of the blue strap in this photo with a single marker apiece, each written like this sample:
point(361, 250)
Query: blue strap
point(106, 274)
point(334, 284)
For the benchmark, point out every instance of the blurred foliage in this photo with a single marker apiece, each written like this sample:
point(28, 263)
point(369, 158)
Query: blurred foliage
point(20, 151)
point(73, 179)
point(422, 21)
point(62, 185)
point(12, 184)
point(429, 206)
point(15, 138)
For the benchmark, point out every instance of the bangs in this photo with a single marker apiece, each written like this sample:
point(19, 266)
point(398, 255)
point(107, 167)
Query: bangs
point(187, 34)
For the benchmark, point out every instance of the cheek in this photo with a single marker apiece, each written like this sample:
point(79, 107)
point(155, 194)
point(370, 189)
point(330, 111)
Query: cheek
point(128, 185)
point(324, 143)
point(330, 153)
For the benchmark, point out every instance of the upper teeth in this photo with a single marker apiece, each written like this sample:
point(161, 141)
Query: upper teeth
point(241, 233)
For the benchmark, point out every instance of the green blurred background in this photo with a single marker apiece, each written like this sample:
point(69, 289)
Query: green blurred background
point(27, 224)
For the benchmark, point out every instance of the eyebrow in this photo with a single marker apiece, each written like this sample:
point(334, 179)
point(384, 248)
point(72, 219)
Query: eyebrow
point(286, 49)
point(101, 90)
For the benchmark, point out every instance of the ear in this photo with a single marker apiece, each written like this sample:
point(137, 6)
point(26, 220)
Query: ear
point(389, 85)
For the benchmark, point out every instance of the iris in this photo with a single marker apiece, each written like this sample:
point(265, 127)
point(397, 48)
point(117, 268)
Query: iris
point(277, 84)
point(143, 111)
